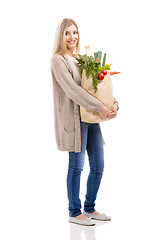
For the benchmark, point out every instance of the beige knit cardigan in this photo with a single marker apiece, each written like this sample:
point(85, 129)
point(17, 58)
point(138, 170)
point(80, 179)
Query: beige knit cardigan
point(68, 95)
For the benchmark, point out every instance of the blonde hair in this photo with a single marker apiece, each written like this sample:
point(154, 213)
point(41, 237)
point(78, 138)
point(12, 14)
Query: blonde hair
point(59, 42)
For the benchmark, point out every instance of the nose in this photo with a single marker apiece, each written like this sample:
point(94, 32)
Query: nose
point(72, 35)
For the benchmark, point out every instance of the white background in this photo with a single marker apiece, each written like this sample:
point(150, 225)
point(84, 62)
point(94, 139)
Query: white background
point(33, 201)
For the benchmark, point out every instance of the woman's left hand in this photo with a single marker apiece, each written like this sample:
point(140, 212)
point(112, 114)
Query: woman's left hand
point(114, 112)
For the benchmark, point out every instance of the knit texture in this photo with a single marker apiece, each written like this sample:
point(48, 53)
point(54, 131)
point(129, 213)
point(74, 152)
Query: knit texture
point(68, 95)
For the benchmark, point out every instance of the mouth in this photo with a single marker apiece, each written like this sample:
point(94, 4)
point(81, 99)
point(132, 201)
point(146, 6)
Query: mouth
point(72, 42)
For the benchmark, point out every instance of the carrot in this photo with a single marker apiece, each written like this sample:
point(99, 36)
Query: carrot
point(96, 60)
point(112, 73)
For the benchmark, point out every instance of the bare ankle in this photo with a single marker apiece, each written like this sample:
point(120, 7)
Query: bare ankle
point(81, 217)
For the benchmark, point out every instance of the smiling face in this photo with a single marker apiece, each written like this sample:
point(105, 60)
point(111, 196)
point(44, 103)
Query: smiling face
point(71, 37)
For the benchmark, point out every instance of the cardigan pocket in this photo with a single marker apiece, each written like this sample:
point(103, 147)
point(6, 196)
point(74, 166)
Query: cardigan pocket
point(69, 139)
point(67, 114)
point(69, 124)
point(69, 121)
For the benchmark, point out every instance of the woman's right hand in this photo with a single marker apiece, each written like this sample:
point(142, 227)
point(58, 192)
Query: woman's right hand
point(104, 113)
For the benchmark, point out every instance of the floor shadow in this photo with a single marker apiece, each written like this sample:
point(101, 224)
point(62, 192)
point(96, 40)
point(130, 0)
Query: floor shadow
point(79, 232)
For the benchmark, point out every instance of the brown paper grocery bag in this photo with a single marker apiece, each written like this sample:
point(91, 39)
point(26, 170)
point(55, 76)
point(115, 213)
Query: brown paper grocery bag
point(104, 94)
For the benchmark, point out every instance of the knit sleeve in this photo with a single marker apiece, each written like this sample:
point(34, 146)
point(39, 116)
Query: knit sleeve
point(71, 88)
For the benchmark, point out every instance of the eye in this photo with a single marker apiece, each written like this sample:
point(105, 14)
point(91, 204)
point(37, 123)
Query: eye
point(75, 32)
point(66, 33)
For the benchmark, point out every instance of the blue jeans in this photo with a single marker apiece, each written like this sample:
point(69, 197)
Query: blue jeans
point(92, 141)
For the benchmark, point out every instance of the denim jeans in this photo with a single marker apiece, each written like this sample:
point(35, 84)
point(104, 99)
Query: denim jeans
point(92, 141)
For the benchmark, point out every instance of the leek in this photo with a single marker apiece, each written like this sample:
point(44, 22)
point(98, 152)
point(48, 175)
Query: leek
point(104, 60)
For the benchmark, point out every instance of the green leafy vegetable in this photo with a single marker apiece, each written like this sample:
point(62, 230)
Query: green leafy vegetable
point(91, 66)
point(107, 67)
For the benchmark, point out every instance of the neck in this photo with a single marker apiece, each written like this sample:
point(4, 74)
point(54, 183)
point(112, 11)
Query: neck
point(70, 52)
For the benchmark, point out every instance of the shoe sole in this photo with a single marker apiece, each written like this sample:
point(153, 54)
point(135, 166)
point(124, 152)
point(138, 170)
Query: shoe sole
point(83, 224)
point(106, 220)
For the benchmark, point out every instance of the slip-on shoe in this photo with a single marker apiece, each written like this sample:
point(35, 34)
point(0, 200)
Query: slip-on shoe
point(86, 222)
point(101, 217)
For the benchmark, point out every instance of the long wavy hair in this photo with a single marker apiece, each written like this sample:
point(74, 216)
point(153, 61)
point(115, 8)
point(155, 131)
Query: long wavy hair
point(59, 42)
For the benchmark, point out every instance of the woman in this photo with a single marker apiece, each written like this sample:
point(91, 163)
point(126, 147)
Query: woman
point(71, 133)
